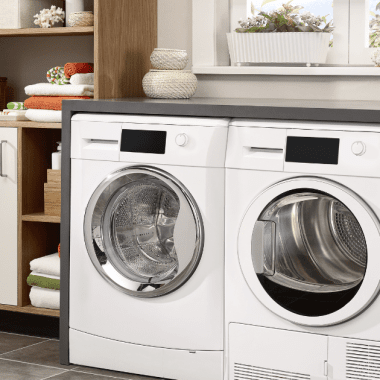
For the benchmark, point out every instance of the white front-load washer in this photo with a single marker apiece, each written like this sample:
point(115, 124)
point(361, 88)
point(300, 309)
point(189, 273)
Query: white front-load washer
point(302, 251)
point(147, 245)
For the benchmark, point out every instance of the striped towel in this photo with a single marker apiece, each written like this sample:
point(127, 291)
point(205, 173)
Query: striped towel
point(16, 106)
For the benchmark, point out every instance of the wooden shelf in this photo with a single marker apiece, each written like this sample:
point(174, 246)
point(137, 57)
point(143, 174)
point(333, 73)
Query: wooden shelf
point(30, 124)
point(41, 217)
point(31, 310)
point(44, 32)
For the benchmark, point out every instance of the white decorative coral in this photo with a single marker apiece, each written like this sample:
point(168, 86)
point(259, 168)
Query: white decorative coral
point(49, 17)
point(376, 57)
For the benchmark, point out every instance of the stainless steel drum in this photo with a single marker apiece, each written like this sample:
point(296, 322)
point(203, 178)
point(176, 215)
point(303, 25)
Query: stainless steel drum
point(311, 242)
point(143, 231)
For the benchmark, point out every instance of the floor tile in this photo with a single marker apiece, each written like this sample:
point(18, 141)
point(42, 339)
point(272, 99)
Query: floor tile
point(11, 342)
point(74, 375)
point(45, 353)
point(119, 375)
point(10, 370)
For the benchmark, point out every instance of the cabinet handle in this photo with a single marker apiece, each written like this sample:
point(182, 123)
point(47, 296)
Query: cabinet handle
point(1, 158)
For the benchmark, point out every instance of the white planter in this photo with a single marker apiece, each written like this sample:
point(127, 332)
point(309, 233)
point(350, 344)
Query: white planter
point(309, 48)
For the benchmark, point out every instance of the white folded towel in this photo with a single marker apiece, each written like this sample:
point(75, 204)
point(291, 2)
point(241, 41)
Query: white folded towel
point(46, 298)
point(48, 89)
point(44, 116)
point(50, 264)
point(35, 273)
point(82, 79)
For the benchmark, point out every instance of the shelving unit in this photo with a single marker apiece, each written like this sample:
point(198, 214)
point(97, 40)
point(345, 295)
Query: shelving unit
point(125, 34)
point(43, 32)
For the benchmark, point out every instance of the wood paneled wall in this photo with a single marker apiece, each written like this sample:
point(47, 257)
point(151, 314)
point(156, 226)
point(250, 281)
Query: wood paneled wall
point(125, 36)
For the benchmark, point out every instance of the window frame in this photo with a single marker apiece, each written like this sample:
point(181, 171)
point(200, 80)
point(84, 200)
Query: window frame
point(212, 19)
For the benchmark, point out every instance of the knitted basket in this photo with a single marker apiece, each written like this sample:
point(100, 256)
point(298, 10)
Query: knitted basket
point(169, 59)
point(169, 84)
point(3, 94)
point(81, 19)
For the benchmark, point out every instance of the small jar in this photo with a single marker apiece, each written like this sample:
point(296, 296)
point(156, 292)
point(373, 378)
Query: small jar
point(56, 158)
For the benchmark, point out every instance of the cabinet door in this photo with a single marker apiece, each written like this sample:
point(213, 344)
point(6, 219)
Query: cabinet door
point(8, 217)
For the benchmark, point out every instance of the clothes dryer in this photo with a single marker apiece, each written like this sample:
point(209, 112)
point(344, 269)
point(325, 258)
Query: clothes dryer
point(147, 245)
point(302, 250)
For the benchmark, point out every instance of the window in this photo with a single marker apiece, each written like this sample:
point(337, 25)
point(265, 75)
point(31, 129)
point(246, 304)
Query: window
point(354, 37)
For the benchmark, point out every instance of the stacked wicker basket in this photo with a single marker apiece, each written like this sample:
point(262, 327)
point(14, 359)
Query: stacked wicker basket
point(169, 80)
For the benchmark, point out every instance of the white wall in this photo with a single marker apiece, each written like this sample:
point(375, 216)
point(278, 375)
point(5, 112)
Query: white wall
point(174, 31)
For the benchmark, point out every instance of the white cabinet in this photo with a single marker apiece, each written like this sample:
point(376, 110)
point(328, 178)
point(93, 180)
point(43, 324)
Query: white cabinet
point(8, 216)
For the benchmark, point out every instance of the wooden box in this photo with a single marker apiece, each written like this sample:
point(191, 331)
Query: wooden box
point(52, 193)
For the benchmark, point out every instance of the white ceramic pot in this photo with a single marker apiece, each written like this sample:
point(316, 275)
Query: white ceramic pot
point(170, 84)
point(297, 47)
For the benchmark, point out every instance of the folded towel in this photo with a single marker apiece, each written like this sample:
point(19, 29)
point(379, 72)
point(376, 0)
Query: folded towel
point(35, 273)
point(78, 68)
point(44, 116)
point(43, 281)
point(56, 75)
point(46, 298)
point(47, 89)
point(82, 79)
point(16, 106)
point(50, 264)
point(49, 102)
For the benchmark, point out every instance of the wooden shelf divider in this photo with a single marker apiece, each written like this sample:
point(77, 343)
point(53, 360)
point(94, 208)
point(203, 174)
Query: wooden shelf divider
point(30, 124)
point(45, 32)
point(29, 309)
point(41, 217)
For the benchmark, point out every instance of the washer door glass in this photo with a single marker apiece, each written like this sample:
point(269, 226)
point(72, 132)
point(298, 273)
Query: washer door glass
point(143, 231)
point(309, 252)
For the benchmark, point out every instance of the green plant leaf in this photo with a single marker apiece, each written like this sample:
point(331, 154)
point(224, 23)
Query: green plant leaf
point(253, 10)
point(378, 6)
point(266, 2)
point(372, 14)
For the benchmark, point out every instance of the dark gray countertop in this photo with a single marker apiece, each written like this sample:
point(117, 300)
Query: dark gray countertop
point(316, 110)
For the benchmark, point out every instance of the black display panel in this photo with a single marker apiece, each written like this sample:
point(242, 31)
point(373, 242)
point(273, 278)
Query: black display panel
point(143, 141)
point(312, 150)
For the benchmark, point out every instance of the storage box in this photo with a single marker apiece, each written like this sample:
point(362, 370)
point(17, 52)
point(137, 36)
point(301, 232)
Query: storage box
point(52, 193)
point(17, 14)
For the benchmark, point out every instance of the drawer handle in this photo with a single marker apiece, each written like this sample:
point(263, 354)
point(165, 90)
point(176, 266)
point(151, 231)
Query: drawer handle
point(1, 158)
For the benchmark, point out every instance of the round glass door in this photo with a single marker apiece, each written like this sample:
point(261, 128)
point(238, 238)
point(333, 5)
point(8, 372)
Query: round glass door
point(143, 231)
point(310, 246)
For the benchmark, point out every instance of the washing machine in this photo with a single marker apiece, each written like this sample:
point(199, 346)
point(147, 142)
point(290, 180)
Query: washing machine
point(147, 245)
point(302, 250)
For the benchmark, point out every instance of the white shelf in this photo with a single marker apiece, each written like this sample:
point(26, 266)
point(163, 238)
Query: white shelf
point(287, 70)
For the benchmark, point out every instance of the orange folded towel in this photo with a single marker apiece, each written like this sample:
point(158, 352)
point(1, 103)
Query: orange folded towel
point(49, 102)
point(78, 68)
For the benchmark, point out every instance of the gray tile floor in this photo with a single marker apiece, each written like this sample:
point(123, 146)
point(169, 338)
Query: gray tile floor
point(29, 358)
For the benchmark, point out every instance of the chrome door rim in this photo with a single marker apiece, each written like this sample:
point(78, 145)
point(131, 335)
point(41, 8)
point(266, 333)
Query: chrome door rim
point(93, 230)
point(363, 213)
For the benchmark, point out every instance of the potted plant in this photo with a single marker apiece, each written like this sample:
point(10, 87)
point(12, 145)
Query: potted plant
point(281, 36)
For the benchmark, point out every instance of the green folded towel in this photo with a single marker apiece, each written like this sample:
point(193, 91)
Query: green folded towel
point(16, 106)
point(43, 282)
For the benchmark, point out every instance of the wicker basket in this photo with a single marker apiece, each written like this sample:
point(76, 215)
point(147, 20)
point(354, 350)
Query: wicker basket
point(170, 84)
point(3, 93)
point(81, 19)
point(169, 59)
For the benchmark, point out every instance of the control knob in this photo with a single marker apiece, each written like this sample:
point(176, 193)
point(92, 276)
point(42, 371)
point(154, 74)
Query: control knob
point(182, 139)
point(358, 148)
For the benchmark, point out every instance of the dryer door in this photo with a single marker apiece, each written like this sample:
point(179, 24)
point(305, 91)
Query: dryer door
point(143, 231)
point(309, 250)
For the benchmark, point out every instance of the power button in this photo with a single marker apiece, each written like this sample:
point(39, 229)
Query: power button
point(358, 148)
point(181, 139)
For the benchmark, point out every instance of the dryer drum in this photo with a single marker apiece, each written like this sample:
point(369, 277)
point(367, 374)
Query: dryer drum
point(311, 242)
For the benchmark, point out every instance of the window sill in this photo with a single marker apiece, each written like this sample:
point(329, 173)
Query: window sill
point(283, 70)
